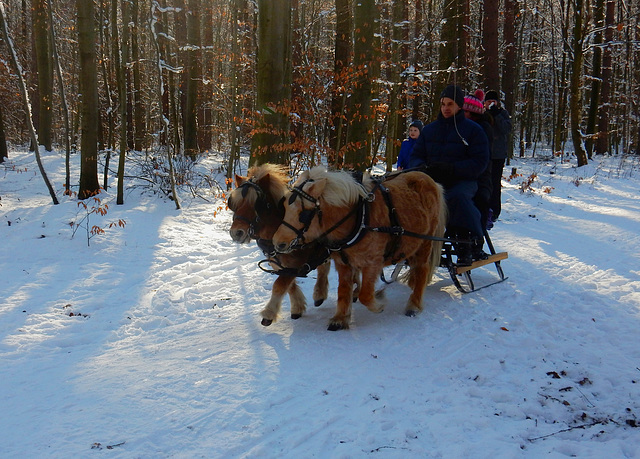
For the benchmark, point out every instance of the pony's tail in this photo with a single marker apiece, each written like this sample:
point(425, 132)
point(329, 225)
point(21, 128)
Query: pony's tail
point(436, 246)
point(406, 276)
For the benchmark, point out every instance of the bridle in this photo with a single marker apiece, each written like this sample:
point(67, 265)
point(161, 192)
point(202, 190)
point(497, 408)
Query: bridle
point(262, 205)
point(306, 216)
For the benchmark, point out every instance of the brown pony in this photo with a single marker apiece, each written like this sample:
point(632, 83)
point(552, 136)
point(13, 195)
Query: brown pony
point(257, 214)
point(367, 227)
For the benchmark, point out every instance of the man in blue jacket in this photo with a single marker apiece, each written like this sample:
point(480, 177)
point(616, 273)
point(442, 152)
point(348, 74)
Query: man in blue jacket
point(455, 151)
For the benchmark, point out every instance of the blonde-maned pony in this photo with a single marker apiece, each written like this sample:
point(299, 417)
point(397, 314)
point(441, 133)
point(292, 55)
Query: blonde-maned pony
point(357, 221)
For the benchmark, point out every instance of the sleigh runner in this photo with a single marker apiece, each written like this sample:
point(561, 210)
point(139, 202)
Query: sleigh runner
point(460, 275)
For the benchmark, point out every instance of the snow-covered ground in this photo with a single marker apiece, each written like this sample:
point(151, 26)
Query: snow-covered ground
point(148, 342)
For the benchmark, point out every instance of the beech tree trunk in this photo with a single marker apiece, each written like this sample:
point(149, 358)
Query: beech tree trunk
point(270, 142)
point(358, 149)
point(44, 64)
point(90, 120)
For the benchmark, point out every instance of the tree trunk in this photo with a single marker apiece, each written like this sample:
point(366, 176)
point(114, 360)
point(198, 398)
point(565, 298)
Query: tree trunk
point(63, 99)
point(90, 121)
point(576, 81)
point(397, 101)
point(25, 99)
point(341, 64)
point(4, 153)
point(416, 112)
point(602, 142)
point(44, 65)
point(122, 60)
point(270, 142)
point(234, 130)
point(157, 27)
point(453, 48)
point(512, 58)
point(490, 60)
point(193, 78)
point(358, 148)
point(596, 78)
point(559, 136)
point(139, 125)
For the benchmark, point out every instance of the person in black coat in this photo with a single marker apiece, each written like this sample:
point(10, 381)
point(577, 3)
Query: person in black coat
point(455, 151)
point(475, 111)
point(502, 127)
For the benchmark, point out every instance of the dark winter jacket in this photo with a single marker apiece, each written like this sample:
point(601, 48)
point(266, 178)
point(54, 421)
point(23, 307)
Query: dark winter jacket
point(405, 152)
point(483, 194)
point(441, 145)
point(501, 129)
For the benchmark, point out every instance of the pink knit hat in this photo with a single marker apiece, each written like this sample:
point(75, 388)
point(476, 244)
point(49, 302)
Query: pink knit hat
point(474, 103)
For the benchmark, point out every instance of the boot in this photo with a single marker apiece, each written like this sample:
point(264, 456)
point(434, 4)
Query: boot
point(463, 249)
point(476, 250)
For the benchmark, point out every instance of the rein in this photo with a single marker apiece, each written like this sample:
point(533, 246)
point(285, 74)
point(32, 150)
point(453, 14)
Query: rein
point(306, 217)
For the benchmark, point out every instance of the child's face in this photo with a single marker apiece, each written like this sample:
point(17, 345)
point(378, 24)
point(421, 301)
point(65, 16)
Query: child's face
point(414, 132)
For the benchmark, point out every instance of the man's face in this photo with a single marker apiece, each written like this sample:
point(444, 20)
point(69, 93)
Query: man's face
point(414, 132)
point(448, 107)
point(490, 103)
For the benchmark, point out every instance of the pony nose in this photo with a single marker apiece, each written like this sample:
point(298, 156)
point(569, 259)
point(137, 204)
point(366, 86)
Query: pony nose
point(281, 247)
point(238, 234)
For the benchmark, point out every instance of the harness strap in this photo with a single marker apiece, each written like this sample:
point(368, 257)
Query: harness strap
point(302, 271)
point(392, 245)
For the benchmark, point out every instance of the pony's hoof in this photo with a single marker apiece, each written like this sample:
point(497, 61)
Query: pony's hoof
point(266, 322)
point(296, 316)
point(411, 313)
point(355, 298)
point(335, 326)
point(317, 303)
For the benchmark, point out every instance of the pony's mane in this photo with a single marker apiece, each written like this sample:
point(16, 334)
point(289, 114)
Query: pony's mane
point(341, 189)
point(278, 178)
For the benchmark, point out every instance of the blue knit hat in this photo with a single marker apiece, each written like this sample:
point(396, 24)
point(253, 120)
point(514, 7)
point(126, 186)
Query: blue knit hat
point(417, 123)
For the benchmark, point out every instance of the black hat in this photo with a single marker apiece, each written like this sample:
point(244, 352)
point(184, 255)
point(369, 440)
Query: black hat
point(417, 123)
point(454, 92)
point(492, 95)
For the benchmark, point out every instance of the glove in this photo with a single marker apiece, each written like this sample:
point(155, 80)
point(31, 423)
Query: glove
point(442, 173)
point(494, 110)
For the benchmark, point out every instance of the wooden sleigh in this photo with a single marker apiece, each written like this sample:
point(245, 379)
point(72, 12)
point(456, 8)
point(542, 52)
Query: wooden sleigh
point(461, 275)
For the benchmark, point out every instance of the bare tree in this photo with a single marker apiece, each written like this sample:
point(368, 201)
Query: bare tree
point(602, 142)
point(25, 99)
point(576, 82)
point(44, 64)
point(90, 120)
point(4, 154)
point(63, 99)
point(193, 77)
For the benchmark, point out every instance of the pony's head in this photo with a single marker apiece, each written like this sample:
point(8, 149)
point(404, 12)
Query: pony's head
point(256, 202)
point(317, 199)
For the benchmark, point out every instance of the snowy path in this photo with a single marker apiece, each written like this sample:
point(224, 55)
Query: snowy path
point(167, 357)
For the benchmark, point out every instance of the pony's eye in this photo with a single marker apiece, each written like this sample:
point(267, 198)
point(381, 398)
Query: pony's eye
point(306, 216)
point(292, 198)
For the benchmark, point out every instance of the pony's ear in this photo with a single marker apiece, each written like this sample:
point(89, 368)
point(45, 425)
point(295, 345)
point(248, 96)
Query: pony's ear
point(264, 182)
point(240, 180)
point(316, 187)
